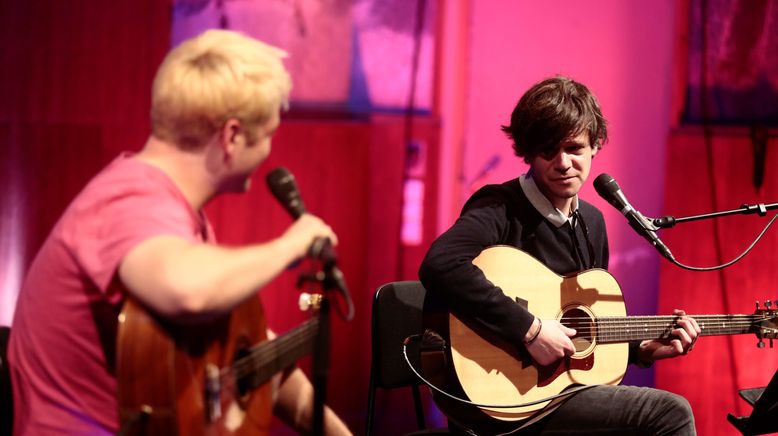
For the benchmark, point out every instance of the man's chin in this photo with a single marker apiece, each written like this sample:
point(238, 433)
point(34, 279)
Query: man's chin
point(567, 192)
point(236, 187)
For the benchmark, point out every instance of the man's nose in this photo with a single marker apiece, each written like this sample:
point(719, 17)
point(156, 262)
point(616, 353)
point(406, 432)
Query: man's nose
point(562, 161)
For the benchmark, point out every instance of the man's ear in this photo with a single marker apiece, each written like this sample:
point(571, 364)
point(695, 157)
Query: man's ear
point(230, 136)
point(595, 149)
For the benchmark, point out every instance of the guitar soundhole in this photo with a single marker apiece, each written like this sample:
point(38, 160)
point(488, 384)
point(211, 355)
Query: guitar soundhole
point(583, 324)
point(243, 383)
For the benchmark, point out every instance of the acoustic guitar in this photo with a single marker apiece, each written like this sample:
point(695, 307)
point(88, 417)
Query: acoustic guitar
point(489, 371)
point(209, 379)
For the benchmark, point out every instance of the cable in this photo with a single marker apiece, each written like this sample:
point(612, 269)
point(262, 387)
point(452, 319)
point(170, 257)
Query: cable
point(746, 251)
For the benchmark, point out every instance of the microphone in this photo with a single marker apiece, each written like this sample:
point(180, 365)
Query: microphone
point(284, 188)
point(608, 189)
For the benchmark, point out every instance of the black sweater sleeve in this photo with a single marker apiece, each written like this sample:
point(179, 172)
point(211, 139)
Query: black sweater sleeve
point(448, 272)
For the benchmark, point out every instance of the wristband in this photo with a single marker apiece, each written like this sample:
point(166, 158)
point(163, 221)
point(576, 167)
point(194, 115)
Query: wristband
point(537, 332)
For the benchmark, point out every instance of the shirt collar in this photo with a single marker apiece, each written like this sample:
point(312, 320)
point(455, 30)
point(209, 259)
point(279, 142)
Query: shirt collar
point(542, 204)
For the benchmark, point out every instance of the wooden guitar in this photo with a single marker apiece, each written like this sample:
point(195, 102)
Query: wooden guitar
point(209, 379)
point(492, 372)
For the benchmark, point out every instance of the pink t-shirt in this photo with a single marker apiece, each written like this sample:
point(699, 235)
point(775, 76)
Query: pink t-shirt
point(62, 345)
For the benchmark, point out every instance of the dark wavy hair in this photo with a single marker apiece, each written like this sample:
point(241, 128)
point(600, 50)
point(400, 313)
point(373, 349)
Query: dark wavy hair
point(551, 111)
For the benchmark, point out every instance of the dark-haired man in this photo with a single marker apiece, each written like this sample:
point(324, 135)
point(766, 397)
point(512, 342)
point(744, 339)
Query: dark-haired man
point(557, 128)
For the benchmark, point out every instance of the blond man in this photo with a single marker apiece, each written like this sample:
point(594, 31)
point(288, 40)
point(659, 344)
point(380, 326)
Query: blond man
point(137, 229)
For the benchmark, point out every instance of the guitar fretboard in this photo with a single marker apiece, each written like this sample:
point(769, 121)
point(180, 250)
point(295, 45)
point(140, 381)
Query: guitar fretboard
point(635, 328)
point(268, 358)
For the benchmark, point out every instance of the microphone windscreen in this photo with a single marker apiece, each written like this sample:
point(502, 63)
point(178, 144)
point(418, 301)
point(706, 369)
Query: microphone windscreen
point(604, 184)
point(607, 188)
point(284, 188)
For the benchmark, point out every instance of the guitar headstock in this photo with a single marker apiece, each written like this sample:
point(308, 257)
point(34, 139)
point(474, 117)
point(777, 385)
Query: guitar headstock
point(767, 323)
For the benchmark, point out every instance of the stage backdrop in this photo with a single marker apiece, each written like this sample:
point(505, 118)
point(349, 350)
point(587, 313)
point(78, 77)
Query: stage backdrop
point(75, 91)
point(722, 155)
point(707, 175)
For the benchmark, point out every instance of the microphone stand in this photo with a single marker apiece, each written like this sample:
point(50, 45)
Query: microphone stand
point(321, 362)
point(760, 208)
point(331, 279)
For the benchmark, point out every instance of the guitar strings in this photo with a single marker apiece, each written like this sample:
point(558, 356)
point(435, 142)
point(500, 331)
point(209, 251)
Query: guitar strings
point(250, 366)
point(613, 327)
point(654, 321)
point(639, 323)
point(263, 353)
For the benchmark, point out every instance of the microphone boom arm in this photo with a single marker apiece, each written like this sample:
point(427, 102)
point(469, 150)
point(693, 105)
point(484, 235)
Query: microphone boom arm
point(670, 221)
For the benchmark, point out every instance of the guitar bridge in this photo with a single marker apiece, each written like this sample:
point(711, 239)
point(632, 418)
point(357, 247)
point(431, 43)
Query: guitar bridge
point(213, 393)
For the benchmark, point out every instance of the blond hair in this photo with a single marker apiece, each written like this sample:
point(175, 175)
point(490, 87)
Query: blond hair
point(213, 77)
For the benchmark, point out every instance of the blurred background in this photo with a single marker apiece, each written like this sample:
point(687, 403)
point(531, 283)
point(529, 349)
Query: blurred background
point(394, 122)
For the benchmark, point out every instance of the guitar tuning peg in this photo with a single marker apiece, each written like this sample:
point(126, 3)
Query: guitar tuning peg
point(767, 304)
point(757, 304)
point(760, 344)
point(307, 301)
point(771, 342)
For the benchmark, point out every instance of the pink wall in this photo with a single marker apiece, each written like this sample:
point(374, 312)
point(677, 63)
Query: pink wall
point(622, 50)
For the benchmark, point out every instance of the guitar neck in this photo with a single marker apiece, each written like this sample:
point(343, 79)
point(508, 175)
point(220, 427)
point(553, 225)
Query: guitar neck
point(268, 358)
point(637, 328)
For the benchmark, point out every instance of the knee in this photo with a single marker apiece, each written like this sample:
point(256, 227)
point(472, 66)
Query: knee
point(680, 404)
point(678, 411)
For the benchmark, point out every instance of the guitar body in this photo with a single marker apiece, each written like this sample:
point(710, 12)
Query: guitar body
point(489, 371)
point(163, 367)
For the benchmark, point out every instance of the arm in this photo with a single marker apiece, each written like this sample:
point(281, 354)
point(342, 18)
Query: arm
point(293, 402)
point(294, 405)
point(448, 273)
point(180, 278)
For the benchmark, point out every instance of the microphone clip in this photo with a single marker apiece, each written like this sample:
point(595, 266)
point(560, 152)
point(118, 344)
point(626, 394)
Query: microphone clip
point(648, 223)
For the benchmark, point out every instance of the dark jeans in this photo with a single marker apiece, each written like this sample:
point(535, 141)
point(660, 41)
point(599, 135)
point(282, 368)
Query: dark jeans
point(617, 410)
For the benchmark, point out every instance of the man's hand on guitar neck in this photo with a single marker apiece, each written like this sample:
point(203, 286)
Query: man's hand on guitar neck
point(681, 341)
point(549, 341)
